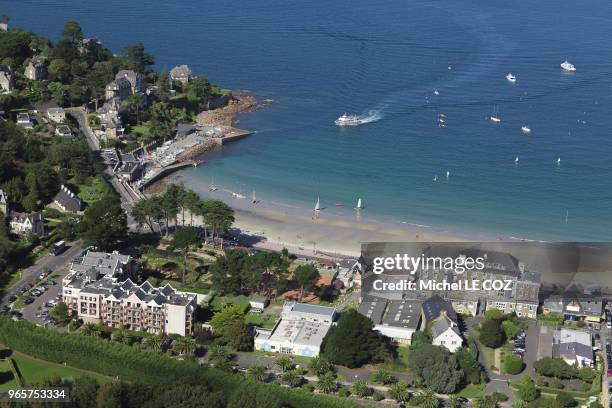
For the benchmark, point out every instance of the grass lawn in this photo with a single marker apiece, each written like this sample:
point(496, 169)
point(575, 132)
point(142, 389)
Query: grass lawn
point(489, 355)
point(6, 366)
point(401, 362)
point(266, 321)
point(472, 391)
point(34, 370)
point(94, 190)
point(220, 301)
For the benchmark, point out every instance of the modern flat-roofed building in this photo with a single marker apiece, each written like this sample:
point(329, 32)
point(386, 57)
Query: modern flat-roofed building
point(300, 330)
point(396, 319)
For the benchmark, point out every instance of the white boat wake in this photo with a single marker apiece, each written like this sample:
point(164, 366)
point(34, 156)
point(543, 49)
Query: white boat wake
point(373, 115)
point(356, 120)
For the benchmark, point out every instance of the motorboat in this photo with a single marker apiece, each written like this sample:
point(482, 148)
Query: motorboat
point(568, 66)
point(348, 120)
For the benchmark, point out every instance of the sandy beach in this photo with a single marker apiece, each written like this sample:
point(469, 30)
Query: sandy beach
point(329, 232)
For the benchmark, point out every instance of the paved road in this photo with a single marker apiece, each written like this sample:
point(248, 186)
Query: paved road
point(127, 195)
point(47, 262)
point(605, 393)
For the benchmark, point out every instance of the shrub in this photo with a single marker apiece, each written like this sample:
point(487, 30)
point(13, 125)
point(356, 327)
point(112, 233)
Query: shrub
point(513, 364)
point(377, 396)
point(344, 392)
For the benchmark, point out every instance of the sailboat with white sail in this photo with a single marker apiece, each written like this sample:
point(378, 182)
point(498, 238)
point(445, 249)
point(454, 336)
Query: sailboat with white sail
point(318, 205)
point(495, 116)
point(254, 200)
point(360, 205)
point(212, 186)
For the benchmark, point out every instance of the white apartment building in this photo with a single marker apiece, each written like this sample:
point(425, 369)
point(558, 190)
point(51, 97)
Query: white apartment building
point(93, 289)
point(300, 330)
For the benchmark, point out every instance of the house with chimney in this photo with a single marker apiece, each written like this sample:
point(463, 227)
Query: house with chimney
point(67, 201)
point(35, 70)
point(26, 223)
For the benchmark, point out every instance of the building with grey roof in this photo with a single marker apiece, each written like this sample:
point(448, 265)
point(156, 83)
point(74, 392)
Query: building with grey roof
point(94, 290)
point(300, 330)
point(396, 319)
point(66, 200)
point(573, 346)
point(445, 333)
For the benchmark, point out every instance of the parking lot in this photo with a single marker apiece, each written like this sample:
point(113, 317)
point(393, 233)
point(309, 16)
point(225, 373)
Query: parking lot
point(41, 292)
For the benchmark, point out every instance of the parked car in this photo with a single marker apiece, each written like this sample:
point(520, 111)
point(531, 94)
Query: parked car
point(12, 298)
point(28, 301)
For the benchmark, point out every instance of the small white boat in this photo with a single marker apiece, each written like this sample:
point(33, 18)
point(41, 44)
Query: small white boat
point(525, 129)
point(558, 162)
point(348, 120)
point(511, 78)
point(318, 205)
point(435, 178)
point(516, 160)
point(360, 205)
point(436, 92)
point(254, 200)
point(568, 66)
point(447, 174)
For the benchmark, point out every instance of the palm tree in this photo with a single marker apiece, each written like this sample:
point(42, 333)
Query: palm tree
point(219, 357)
point(360, 388)
point(292, 378)
point(154, 343)
point(319, 365)
point(327, 383)
point(382, 376)
point(427, 399)
point(257, 373)
point(284, 363)
point(90, 329)
point(399, 391)
point(185, 345)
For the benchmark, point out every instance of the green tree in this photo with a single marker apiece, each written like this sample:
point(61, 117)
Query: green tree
point(511, 330)
point(427, 399)
point(163, 85)
point(83, 393)
point(469, 364)
point(306, 277)
point(352, 342)
point(453, 401)
point(257, 372)
point(513, 364)
point(59, 70)
point(185, 238)
point(184, 345)
point(230, 325)
point(360, 388)
point(382, 376)
point(154, 342)
point(72, 31)
point(437, 367)
point(137, 58)
point(319, 365)
point(292, 378)
point(491, 334)
point(493, 314)
point(566, 400)
point(284, 363)
point(399, 392)
point(104, 223)
point(90, 329)
point(219, 357)
point(217, 215)
point(327, 383)
point(527, 390)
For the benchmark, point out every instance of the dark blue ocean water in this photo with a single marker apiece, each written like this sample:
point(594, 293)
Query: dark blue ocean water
point(318, 59)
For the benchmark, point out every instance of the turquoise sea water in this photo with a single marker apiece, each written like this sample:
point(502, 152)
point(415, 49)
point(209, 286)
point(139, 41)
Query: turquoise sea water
point(319, 59)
